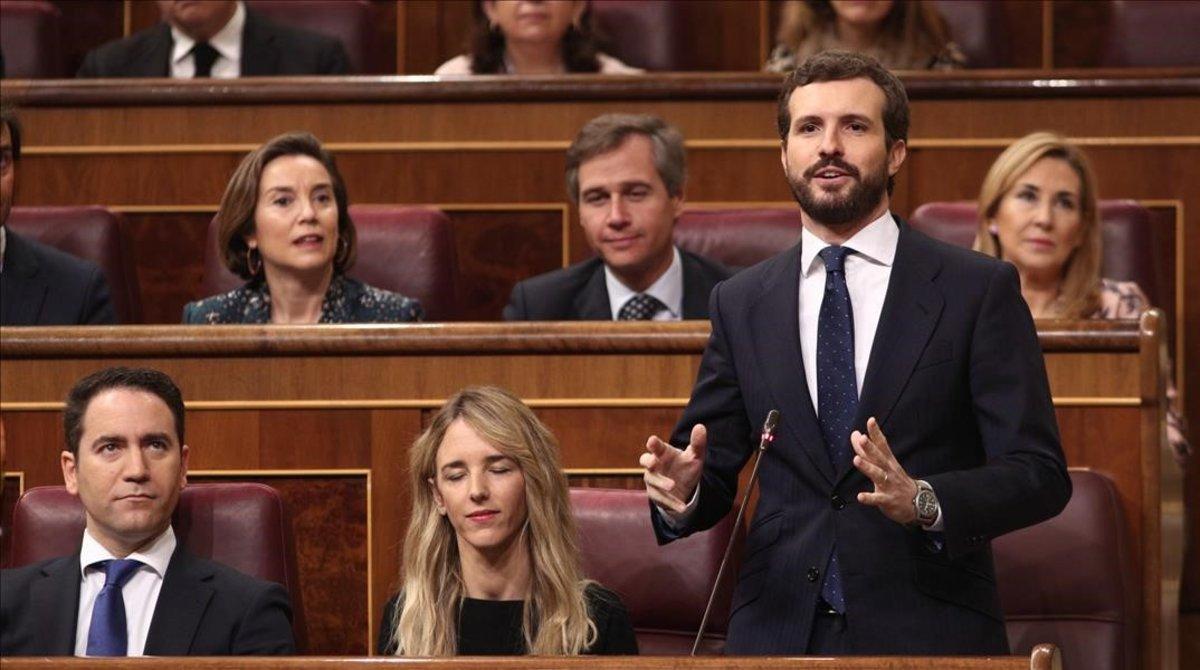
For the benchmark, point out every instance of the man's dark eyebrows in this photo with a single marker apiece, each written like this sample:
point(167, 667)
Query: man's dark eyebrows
point(165, 437)
point(105, 439)
point(856, 117)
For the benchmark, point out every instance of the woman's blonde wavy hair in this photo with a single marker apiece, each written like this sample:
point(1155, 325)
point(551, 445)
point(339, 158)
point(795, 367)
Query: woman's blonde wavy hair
point(1079, 293)
point(556, 613)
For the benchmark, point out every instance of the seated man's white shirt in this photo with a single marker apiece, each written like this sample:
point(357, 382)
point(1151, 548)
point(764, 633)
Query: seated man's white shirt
point(668, 289)
point(140, 593)
point(227, 42)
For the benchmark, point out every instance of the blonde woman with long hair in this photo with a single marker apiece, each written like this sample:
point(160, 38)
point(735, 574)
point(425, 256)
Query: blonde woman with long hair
point(1038, 210)
point(491, 559)
point(900, 34)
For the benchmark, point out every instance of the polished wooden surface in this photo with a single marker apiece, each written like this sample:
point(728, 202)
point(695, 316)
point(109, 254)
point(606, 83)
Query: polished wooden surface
point(1043, 657)
point(324, 403)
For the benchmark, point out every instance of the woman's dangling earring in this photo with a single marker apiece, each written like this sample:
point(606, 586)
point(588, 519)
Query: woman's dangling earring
point(251, 256)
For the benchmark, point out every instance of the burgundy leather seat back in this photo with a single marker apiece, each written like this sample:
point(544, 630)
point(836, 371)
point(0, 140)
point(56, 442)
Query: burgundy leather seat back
point(980, 29)
point(31, 39)
point(351, 21)
point(240, 524)
point(1128, 244)
point(409, 250)
point(1152, 34)
point(92, 233)
point(644, 33)
point(1070, 581)
point(738, 238)
point(664, 588)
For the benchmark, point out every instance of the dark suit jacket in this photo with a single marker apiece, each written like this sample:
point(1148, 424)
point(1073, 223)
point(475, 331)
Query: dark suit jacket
point(267, 49)
point(957, 382)
point(204, 609)
point(579, 293)
point(42, 286)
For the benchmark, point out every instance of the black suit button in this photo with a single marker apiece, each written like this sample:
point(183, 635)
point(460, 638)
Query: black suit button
point(812, 574)
point(837, 501)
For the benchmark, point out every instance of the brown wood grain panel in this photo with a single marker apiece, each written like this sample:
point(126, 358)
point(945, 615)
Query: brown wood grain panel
point(168, 249)
point(328, 514)
point(607, 438)
point(392, 434)
point(495, 250)
point(303, 439)
point(34, 442)
point(224, 440)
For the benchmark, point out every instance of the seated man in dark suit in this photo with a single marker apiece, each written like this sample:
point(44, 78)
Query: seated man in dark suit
point(132, 589)
point(626, 174)
point(40, 285)
point(215, 38)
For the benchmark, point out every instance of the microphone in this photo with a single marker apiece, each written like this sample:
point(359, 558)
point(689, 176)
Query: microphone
point(768, 435)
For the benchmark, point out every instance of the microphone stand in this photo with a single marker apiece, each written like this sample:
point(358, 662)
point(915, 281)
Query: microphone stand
point(768, 434)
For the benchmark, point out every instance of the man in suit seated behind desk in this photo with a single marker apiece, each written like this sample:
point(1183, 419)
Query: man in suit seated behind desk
point(215, 38)
point(132, 589)
point(626, 174)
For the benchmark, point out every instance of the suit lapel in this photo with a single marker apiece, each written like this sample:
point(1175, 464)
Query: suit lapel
point(591, 304)
point(260, 57)
point(910, 313)
point(181, 603)
point(21, 291)
point(56, 597)
point(775, 330)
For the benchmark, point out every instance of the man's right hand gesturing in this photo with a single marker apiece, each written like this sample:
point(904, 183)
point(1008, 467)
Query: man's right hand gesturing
point(671, 475)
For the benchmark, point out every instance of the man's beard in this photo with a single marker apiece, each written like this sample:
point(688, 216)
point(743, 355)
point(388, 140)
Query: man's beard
point(864, 196)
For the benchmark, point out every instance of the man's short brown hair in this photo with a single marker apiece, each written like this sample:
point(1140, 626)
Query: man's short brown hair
point(840, 66)
point(605, 133)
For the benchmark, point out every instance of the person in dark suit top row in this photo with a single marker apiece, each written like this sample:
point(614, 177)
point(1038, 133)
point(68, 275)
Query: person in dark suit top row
point(916, 422)
point(40, 285)
point(215, 38)
point(626, 174)
point(132, 589)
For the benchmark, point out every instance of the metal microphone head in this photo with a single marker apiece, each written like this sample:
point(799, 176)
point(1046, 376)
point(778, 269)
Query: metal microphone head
point(772, 420)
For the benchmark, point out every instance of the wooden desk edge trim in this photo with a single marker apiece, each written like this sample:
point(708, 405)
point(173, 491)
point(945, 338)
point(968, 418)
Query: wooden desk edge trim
point(445, 338)
point(657, 86)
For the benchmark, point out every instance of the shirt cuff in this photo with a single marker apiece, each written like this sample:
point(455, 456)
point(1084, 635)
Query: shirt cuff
point(676, 520)
point(938, 524)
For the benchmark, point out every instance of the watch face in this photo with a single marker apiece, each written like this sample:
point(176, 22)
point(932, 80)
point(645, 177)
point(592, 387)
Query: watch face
point(927, 505)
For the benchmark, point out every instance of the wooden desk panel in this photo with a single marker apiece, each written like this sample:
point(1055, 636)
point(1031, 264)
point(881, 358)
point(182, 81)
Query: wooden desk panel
point(271, 403)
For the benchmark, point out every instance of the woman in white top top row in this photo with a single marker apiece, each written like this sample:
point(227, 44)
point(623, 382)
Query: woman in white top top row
point(533, 37)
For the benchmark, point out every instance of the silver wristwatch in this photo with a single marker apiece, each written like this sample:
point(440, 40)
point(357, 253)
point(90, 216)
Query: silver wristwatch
point(925, 503)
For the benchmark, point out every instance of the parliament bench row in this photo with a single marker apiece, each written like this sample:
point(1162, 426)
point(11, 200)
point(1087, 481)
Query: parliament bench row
point(411, 250)
point(1066, 581)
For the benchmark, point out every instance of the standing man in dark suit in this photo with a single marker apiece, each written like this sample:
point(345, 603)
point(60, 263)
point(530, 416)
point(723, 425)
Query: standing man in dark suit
point(40, 285)
point(132, 589)
point(626, 174)
point(916, 416)
point(215, 38)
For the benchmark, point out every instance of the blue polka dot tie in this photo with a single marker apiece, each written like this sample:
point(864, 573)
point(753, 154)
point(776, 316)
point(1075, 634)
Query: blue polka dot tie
point(641, 307)
point(837, 388)
point(108, 635)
